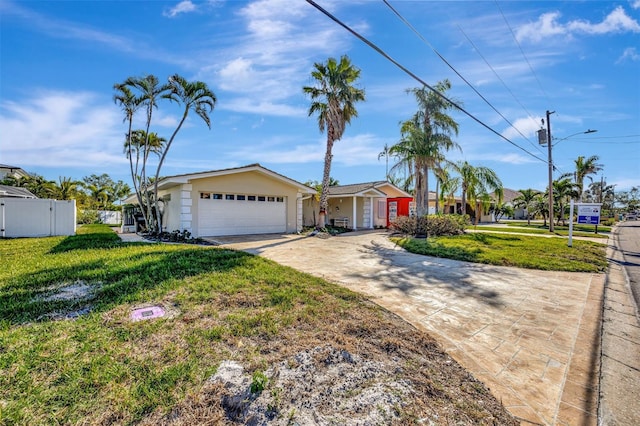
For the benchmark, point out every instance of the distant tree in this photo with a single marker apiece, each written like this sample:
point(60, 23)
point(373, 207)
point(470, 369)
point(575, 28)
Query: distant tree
point(629, 200)
point(66, 188)
point(129, 103)
point(540, 205)
point(525, 201)
point(333, 99)
point(501, 210)
point(424, 140)
point(563, 191)
point(584, 168)
point(474, 182)
point(385, 153)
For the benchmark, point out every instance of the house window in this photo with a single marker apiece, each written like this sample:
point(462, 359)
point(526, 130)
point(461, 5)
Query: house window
point(271, 199)
point(280, 199)
point(216, 196)
point(205, 195)
point(251, 198)
point(382, 209)
point(241, 197)
point(261, 198)
point(229, 197)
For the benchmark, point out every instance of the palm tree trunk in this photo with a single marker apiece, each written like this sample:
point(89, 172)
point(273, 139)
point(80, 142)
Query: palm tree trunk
point(324, 202)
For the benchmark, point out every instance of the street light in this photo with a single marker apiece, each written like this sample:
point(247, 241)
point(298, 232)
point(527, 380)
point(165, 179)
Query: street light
point(545, 138)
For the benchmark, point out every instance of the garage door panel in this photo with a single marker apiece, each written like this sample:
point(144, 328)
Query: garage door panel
point(233, 217)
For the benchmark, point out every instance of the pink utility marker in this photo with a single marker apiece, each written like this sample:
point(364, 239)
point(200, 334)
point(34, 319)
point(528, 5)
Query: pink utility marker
point(147, 313)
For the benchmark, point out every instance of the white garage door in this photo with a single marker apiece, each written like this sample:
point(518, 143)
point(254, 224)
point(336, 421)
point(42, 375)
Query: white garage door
point(240, 214)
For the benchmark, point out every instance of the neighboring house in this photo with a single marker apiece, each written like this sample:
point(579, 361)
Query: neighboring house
point(236, 201)
point(508, 197)
point(15, 192)
point(357, 206)
point(11, 171)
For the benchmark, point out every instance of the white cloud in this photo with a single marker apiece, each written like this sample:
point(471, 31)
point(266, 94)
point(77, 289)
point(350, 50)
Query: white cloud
point(508, 158)
point(528, 126)
point(61, 129)
point(629, 54)
point(185, 6)
point(274, 55)
point(635, 4)
point(548, 25)
point(350, 151)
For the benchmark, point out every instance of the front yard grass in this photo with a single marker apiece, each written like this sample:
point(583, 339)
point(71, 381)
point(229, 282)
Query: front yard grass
point(520, 229)
point(99, 367)
point(513, 250)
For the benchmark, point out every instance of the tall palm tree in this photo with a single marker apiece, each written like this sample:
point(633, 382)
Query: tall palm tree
point(525, 201)
point(150, 90)
point(333, 99)
point(449, 185)
point(129, 103)
point(385, 153)
point(425, 139)
point(584, 168)
point(475, 181)
point(193, 96)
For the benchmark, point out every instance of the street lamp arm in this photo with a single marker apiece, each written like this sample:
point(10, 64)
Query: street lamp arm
point(575, 134)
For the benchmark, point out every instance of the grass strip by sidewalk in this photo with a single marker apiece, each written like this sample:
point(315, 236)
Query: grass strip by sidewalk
point(102, 368)
point(577, 227)
point(513, 250)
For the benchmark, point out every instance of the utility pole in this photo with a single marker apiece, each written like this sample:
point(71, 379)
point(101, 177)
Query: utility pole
point(549, 145)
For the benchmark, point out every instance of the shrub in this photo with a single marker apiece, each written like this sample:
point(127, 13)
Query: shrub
point(432, 225)
point(88, 217)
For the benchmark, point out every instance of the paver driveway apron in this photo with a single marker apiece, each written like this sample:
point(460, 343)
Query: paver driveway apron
point(521, 332)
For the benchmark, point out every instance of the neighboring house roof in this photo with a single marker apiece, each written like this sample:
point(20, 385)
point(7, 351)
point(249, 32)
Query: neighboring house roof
point(376, 188)
point(6, 170)
point(15, 192)
point(509, 195)
point(171, 181)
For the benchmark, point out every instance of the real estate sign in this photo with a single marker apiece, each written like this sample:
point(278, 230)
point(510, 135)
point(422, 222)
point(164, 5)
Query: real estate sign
point(589, 213)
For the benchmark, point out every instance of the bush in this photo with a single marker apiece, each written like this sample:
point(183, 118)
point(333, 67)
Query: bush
point(608, 222)
point(88, 217)
point(432, 225)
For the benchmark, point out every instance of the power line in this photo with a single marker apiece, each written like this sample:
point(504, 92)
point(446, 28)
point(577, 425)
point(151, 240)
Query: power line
point(415, 77)
point(497, 75)
point(408, 24)
point(522, 51)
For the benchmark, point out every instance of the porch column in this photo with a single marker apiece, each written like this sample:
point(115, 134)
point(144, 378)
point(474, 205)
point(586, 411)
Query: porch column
point(371, 212)
point(355, 213)
point(186, 202)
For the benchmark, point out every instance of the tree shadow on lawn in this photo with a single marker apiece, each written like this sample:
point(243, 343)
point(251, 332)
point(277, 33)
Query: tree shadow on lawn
point(25, 297)
point(97, 240)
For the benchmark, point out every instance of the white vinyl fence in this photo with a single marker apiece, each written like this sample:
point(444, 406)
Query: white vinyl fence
point(110, 217)
point(22, 217)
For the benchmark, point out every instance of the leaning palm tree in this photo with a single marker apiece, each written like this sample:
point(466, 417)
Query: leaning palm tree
point(333, 99)
point(584, 168)
point(525, 201)
point(193, 96)
point(475, 181)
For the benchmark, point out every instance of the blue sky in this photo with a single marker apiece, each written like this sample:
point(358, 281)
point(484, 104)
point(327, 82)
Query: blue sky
point(60, 59)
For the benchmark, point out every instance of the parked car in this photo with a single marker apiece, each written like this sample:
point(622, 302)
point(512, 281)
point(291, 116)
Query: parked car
point(632, 216)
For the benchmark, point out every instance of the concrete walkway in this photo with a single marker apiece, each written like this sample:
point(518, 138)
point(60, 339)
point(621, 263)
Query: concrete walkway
point(620, 373)
point(531, 336)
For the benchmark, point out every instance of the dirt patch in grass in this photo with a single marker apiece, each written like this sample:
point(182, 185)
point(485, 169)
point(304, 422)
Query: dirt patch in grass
point(365, 366)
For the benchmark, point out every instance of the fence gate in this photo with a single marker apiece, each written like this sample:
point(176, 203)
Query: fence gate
point(25, 217)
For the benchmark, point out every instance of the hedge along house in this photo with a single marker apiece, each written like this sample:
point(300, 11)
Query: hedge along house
point(237, 201)
point(356, 206)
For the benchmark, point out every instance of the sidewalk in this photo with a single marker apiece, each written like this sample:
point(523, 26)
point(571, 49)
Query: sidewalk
point(619, 402)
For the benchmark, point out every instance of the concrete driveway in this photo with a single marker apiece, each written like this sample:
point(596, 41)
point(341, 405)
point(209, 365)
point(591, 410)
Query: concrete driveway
point(531, 336)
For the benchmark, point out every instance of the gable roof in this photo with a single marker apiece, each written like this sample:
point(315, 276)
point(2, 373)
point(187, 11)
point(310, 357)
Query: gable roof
point(509, 195)
point(15, 192)
point(359, 189)
point(171, 181)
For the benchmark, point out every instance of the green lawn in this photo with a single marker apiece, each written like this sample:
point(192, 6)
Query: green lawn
point(534, 229)
point(102, 368)
point(589, 229)
point(513, 250)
